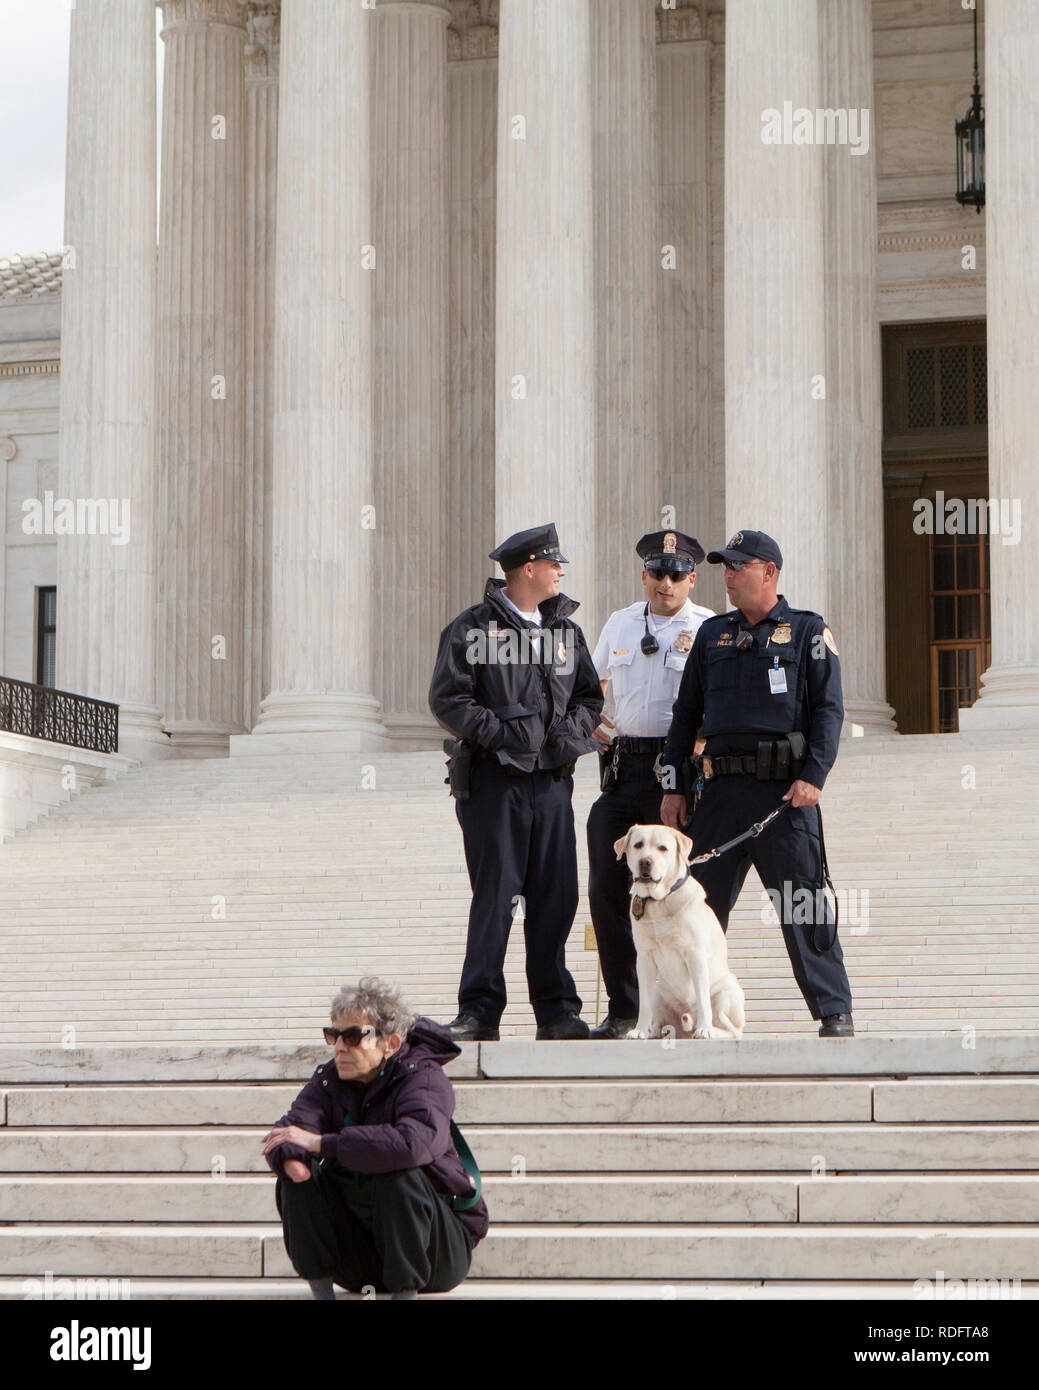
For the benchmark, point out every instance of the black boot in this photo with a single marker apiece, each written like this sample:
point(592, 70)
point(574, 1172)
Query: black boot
point(469, 1028)
point(612, 1027)
point(837, 1026)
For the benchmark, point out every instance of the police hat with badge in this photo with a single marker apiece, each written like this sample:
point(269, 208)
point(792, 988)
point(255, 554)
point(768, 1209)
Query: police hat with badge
point(667, 553)
point(746, 546)
point(537, 543)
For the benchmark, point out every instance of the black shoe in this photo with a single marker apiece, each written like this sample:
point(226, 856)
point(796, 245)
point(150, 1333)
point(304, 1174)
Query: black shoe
point(837, 1026)
point(469, 1028)
point(568, 1025)
point(612, 1027)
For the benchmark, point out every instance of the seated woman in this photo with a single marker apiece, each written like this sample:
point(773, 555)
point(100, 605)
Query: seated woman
point(366, 1164)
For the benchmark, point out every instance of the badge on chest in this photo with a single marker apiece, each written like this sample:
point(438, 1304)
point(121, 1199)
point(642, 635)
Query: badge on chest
point(638, 908)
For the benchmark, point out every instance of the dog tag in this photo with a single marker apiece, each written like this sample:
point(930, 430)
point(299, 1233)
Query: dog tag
point(777, 680)
point(638, 907)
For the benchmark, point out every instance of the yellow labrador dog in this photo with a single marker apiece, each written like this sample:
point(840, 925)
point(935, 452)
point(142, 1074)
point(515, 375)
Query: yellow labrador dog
point(682, 961)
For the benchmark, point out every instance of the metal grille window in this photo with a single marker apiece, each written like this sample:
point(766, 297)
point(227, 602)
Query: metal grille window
point(46, 629)
point(960, 648)
point(934, 385)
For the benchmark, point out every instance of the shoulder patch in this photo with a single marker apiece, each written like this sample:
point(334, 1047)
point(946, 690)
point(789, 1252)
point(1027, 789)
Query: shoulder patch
point(828, 639)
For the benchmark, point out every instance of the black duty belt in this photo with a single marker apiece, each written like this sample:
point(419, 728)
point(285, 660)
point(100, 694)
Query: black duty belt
point(779, 759)
point(639, 745)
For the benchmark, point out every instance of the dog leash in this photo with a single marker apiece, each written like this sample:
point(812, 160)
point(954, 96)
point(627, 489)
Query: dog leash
point(751, 834)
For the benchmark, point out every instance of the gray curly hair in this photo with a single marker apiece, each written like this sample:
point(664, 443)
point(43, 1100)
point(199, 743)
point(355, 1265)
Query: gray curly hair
point(380, 1003)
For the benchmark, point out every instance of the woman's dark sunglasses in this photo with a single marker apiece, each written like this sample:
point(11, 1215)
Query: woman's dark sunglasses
point(351, 1036)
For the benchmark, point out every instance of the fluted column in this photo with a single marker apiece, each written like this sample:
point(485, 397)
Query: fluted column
point(261, 192)
point(106, 590)
point(1010, 687)
point(544, 308)
point(322, 561)
point(855, 489)
point(775, 349)
point(413, 548)
point(692, 459)
point(202, 374)
point(472, 85)
point(629, 478)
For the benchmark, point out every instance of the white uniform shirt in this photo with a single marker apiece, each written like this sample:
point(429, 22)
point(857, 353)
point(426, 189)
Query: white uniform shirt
point(645, 687)
point(530, 620)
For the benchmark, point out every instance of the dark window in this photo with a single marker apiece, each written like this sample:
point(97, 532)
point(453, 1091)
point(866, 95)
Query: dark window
point(46, 627)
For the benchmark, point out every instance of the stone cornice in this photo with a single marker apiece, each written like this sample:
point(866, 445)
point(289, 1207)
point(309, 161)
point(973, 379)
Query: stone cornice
point(680, 23)
point(473, 29)
point(49, 368)
point(263, 25)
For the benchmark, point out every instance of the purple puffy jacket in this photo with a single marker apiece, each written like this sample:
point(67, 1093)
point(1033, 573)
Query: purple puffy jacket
point(402, 1119)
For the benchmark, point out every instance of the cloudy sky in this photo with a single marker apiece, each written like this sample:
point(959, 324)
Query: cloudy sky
point(34, 66)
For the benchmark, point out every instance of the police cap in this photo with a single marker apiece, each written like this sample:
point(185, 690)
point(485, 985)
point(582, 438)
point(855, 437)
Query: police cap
point(748, 545)
point(670, 550)
point(538, 543)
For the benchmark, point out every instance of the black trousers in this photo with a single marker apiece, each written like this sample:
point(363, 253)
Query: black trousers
point(519, 842)
point(388, 1231)
point(634, 799)
point(788, 858)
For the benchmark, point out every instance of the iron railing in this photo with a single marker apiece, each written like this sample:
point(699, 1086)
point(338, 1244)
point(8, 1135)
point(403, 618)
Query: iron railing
point(38, 711)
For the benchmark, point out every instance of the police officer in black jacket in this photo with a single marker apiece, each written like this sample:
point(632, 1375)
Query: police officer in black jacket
point(764, 684)
point(514, 682)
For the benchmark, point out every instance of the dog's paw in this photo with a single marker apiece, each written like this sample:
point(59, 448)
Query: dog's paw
point(703, 1033)
point(641, 1030)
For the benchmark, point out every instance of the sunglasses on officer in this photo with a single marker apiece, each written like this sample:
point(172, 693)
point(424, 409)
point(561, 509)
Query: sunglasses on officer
point(738, 565)
point(352, 1036)
point(676, 575)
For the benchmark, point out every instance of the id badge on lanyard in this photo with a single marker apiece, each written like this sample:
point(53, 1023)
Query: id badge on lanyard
point(777, 678)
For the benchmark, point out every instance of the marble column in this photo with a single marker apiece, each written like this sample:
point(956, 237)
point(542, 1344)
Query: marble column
point(106, 590)
point(1010, 687)
point(472, 87)
point(413, 547)
point(775, 346)
point(854, 491)
point(629, 478)
point(261, 192)
point(544, 305)
point(323, 502)
point(202, 375)
point(692, 458)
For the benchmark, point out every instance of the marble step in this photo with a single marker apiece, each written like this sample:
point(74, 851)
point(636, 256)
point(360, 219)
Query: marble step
point(989, 1100)
point(835, 1148)
point(674, 1198)
point(655, 1290)
point(695, 1251)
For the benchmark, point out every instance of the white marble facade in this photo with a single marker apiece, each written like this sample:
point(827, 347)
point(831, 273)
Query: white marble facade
point(433, 270)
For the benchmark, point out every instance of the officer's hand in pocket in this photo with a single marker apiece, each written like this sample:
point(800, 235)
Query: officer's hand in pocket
point(672, 811)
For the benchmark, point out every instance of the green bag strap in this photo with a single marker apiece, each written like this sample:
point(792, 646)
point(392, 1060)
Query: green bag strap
point(470, 1165)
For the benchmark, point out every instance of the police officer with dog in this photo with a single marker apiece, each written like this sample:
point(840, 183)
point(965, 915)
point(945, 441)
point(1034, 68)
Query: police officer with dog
point(763, 685)
point(642, 651)
point(514, 683)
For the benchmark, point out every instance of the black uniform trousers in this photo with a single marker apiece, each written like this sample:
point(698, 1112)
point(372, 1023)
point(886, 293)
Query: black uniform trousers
point(634, 799)
point(388, 1231)
point(788, 858)
point(519, 843)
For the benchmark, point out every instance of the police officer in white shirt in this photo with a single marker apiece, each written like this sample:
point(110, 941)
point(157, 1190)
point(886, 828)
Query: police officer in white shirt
point(642, 650)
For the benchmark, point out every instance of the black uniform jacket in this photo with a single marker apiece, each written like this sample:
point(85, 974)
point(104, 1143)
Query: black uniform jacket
point(528, 710)
point(727, 691)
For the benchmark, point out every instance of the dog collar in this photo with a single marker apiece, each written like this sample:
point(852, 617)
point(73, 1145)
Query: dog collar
point(638, 903)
